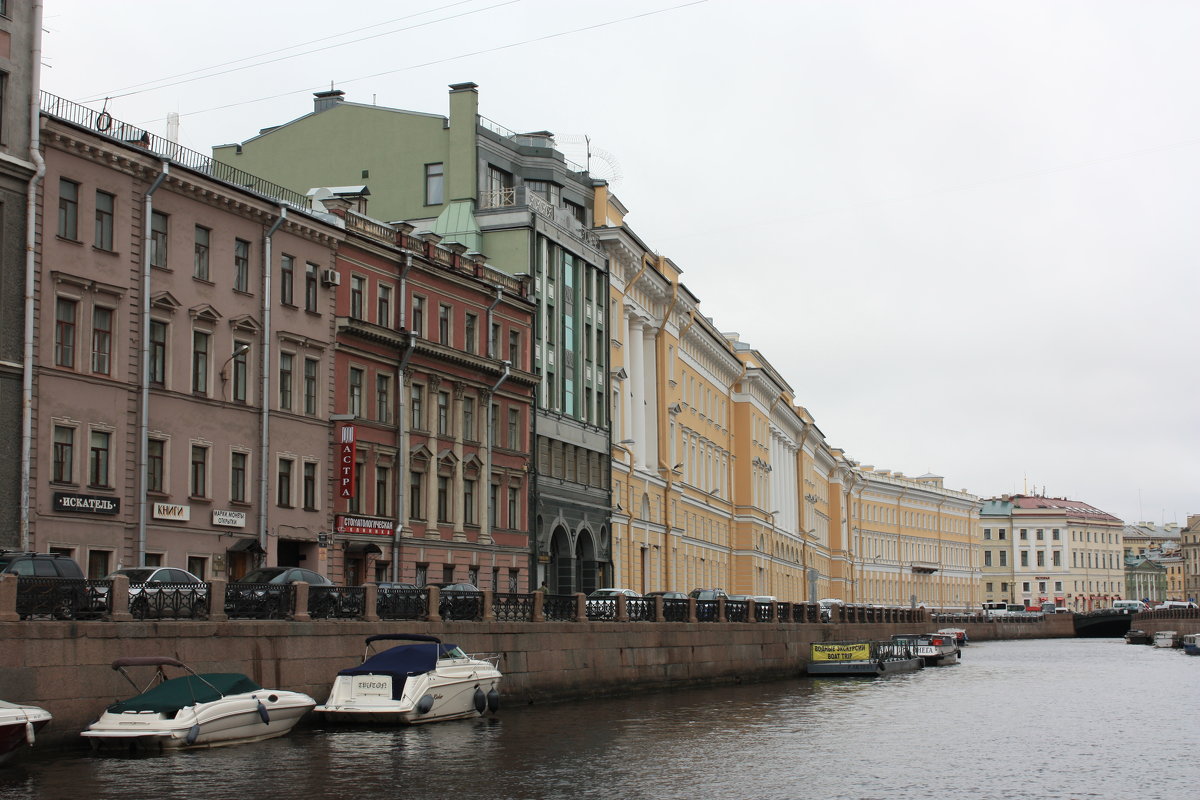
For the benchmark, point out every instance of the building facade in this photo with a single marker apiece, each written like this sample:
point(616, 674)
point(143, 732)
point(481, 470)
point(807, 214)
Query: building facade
point(514, 197)
point(159, 436)
point(1189, 550)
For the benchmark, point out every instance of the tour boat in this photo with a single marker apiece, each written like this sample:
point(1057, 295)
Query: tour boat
point(1136, 636)
point(936, 649)
point(1191, 644)
point(959, 634)
point(862, 658)
point(19, 725)
point(1166, 639)
point(196, 710)
point(421, 681)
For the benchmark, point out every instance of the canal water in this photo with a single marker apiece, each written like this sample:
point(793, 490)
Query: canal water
point(1077, 719)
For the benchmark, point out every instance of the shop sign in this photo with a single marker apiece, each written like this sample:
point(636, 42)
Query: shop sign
point(230, 519)
point(86, 503)
point(371, 526)
point(172, 512)
point(346, 462)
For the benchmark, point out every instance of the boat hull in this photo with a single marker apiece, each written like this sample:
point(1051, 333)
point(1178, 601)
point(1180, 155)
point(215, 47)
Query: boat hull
point(1166, 639)
point(884, 667)
point(1138, 637)
point(234, 719)
point(15, 723)
point(451, 690)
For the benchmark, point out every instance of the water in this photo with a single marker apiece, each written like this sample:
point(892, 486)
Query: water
point(1076, 719)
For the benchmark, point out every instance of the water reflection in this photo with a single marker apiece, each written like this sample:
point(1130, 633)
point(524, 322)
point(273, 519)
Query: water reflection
point(1040, 719)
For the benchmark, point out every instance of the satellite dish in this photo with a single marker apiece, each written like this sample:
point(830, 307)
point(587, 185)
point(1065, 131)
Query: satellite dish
point(599, 162)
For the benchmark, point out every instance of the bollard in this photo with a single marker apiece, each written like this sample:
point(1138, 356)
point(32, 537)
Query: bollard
point(659, 614)
point(8, 598)
point(488, 612)
point(622, 608)
point(216, 600)
point(539, 606)
point(434, 611)
point(581, 607)
point(118, 595)
point(300, 611)
point(370, 610)
point(692, 610)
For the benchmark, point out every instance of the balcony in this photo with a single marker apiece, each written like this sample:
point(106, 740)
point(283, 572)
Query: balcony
point(520, 198)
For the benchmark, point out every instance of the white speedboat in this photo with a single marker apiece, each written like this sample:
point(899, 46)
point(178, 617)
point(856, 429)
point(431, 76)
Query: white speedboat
point(196, 710)
point(421, 681)
point(935, 649)
point(19, 726)
point(1167, 639)
point(1191, 644)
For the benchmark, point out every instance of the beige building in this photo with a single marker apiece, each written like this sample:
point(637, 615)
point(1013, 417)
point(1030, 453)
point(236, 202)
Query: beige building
point(1044, 549)
point(1190, 551)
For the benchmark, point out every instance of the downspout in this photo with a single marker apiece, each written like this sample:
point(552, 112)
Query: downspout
point(35, 155)
point(265, 385)
point(487, 517)
point(139, 557)
point(490, 315)
point(401, 460)
point(403, 286)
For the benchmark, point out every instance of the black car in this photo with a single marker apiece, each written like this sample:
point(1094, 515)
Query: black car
point(460, 601)
point(400, 601)
point(50, 585)
point(263, 593)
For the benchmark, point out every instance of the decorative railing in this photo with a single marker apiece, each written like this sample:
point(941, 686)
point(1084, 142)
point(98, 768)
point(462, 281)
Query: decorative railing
point(102, 123)
point(737, 611)
point(762, 612)
point(559, 608)
point(498, 198)
point(336, 602)
point(260, 600)
point(510, 607)
point(604, 609)
point(1170, 613)
point(168, 600)
point(402, 604)
point(375, 229)
point(640, 609)
point(62, 598)
point(706, 610)
point(675, 610)
point(461, 605)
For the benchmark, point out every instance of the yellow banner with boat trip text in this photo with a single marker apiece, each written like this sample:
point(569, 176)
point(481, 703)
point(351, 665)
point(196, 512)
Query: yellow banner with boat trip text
point(841, 652)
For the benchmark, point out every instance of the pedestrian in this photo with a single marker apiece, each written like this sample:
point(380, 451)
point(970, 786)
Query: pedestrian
point(544, 589)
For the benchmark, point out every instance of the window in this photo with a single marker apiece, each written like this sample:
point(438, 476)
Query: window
point(514, 429)
point(158, 352)
point(416, 489)
point(417, 412)
point(358, 287)
point(417, 324)
point(285, 380)
point(988, 587)
point(987, 533)
point(514, 349)
point(356, 390)
point(1057, 558)
point(443, 413)
point(287, 280)
point(1002, 534)
point(310, 386)
point(241, 265)
point(155, 461)
point(383, 303)
point(987, 558)
point(237, 477)
point(1024, 558)
point(443, 499)
point(1025, 533)
point(1041, 534)
point(310, 287)
point(105, 203)
point(1041, 558)
point(64, 454)
point(101, 340)
point(494, 341)
point(514, 495)
point(492, 423)
point(310, 486)
point(64, 332)
point(383, 487)
point(1004, 558)
point(1025, 586)
point(493, 503)
point(68, 209)
point(444, 324)
point(435, 182)
point(469, 501)
point(200, 259)
point(468, 420)
point(1054, 535)
point(577, 211)
point(472, 333)
point(283, 483)
point(383, 397)
point(241, 377)
point(198, 479)
point(499, 187)
point(158, 239)
point(200, 343)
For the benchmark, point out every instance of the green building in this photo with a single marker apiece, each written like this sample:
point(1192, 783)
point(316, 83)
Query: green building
point(516, 199)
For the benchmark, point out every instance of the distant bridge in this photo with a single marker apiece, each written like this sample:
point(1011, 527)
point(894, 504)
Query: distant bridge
point(1106, 622)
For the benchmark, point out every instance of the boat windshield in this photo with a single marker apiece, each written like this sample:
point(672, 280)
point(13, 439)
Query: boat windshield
point(452, 652)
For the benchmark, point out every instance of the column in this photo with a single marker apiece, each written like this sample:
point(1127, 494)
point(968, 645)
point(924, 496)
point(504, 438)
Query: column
point(650, 390)
point(637, 380)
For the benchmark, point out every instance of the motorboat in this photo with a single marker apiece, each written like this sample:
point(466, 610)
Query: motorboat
point(1166, 639)
point(959, 634)
point(869, 658)
point(935, 649)
point(1191, 644)
point(195, 710)
point(1136, 636)
point(422, 680)
point(19, 726)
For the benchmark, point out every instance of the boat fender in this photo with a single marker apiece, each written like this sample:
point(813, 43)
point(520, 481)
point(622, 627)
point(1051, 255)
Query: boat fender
point(425, 704)
point(30, 736)
point(480, 700)
point(493, 700)
point(262, 712)
point(193, 734)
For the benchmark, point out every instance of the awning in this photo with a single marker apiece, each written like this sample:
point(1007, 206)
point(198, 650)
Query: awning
point(363, 549)
point(246, 546)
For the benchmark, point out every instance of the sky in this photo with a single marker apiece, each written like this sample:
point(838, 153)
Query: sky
point(963, 231)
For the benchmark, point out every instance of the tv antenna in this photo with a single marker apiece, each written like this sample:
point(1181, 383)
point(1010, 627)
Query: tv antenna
point(600, 163)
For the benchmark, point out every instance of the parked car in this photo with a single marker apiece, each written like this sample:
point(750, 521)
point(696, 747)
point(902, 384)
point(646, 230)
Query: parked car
point(707, 594)
point(706, 605)
point(1130, 606)
point(400, 600)
point(260, 592)
point(602, 593)
point(1169, 604)
point(459, 600)
point(668, 595)
point(64, 600)
point(163, 592)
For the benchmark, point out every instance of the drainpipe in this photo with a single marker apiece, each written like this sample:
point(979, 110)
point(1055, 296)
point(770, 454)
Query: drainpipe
point(490, 349)
point(401, 460)
point(35, 155)
point(487, 517)
point(139, 557)
point(403, 286)
point(264, 364)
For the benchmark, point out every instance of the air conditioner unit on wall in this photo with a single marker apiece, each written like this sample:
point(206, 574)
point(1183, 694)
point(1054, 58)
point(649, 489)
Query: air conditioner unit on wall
point(331, 277)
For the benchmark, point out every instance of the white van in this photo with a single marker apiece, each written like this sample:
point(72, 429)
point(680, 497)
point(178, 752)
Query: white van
point(1169, 604)
point(1130, 606)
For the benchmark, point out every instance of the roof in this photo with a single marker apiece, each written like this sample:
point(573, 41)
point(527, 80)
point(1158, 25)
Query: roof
point(1072, 508)
point(404, 659)
point(177, 693)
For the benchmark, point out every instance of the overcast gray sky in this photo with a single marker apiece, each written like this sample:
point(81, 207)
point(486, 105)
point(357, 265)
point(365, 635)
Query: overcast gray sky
point(964, 231)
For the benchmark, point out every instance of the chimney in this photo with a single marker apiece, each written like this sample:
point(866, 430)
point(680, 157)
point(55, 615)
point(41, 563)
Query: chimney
point(461, 169)
point(325, 100)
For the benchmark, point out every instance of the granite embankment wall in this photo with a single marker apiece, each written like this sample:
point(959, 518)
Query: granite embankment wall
point(64, 667)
